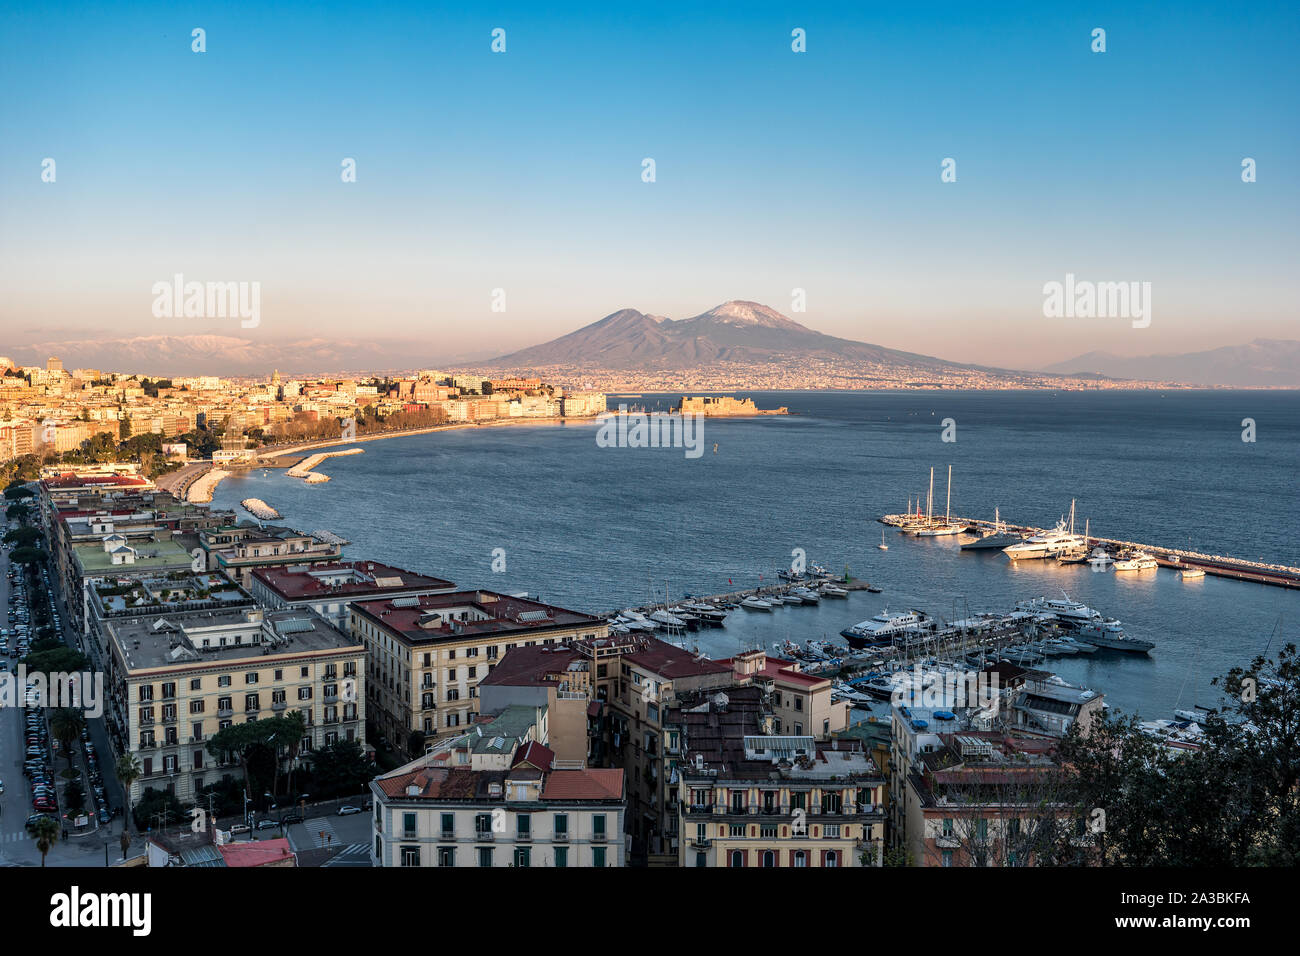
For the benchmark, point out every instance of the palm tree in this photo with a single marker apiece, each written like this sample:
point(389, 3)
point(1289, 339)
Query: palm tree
point(45, 830)
point(66, 725)
point(128, 772)
point(293, 727)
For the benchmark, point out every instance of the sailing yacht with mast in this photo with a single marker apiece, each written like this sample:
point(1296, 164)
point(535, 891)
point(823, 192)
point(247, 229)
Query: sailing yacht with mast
point(932, 530)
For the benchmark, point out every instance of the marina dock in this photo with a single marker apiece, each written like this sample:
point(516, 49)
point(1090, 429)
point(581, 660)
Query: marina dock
point(735, 597)
point(1219, 565)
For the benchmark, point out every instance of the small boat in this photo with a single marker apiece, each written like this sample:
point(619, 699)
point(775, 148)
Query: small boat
point(1099, 558)
point(1137, 561)
point(1191, 574)
point(831, 591)
point(756, 604)
point(668, 621)
point(1196, 715)
point(775, 600)
point(791, 599)
point(807, 595)
point(882, 546)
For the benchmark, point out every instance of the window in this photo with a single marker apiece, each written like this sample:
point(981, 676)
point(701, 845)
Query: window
point(485, 856)
point(483, 823)
point(223, 680)
point(800, 858)
point(832, 859)
point(251, 703)
point(446, 856)
point(769, 858)
point(279, 674)
point(947, 826)
point(798, 704)
point(410, 856)
point(561, 826)
point(701, 859)
point(196, 707)
point(408, 825)
point(524, 825)
point(561, 856)
point(947, 857)
point(598, 856)
point(302, 672)
point(250, 677)
point(196, 684)
point(598, 826)
point(473, 673)
point(448, 824)
point(737, 859)
point(523, 855)
point(451, 672)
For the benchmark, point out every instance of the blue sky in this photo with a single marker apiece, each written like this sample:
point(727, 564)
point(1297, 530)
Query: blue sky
point(775, 170)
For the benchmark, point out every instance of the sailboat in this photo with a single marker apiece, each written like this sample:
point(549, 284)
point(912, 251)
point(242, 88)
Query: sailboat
point(947, 528)
point(997, 538)
point(882, 546)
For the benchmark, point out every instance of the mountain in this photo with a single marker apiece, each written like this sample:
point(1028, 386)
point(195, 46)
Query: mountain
point(165, 355)
point(1263, 363)
point(737, 331)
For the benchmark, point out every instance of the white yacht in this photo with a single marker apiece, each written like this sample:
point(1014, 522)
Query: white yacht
point(756, 604)
point(807, 595)
point(1137, 561)
point(831, 591)
point(1071, 612)
point(1047, 544)
point(1189, 574)
point(1099, 558)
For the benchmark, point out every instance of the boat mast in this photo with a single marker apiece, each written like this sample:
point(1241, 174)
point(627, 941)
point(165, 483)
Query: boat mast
point(929, 500)
point(947, 510)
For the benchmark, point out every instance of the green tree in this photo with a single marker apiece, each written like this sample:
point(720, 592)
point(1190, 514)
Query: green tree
point(23, 537)
point(74, 796)
point(45, 831)
point(66, 725)
point(19, 491)
point(18, 512)
point(128, 772)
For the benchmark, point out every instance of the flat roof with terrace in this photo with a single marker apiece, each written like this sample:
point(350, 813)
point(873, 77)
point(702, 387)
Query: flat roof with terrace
point(206, 637)
point(463, 615)
point(346, 580)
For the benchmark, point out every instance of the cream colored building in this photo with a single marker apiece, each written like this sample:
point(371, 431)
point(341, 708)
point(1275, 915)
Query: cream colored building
point(175, 680)
point(427, 653)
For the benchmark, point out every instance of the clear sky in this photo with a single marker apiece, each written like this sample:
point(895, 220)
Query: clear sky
point(775, 169)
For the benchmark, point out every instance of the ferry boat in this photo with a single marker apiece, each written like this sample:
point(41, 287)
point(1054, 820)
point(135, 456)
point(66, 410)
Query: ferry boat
point(883, 628)
point(1137, 561)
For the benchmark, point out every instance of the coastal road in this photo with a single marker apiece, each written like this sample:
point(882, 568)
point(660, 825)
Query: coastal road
point(177, 481)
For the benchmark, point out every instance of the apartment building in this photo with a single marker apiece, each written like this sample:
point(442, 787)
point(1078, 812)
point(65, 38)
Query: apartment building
point(498, 797)
point(427, 653)
point(987, 799)
point(328, 589)
point(175, 679)
point(556, 679)
point(752, 798)
point(241, 549)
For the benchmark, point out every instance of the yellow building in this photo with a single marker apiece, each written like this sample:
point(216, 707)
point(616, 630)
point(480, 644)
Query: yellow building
point(427, 654)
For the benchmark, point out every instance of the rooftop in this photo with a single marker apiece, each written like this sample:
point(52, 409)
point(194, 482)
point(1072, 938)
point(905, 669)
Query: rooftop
point(202, 638)
point(345, 579)
point(148, 554)
point(457, 615)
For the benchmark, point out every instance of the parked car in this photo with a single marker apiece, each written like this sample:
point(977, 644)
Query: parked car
point(348, 809)
point(293, 816)
point(240, 828)
point(267, 824)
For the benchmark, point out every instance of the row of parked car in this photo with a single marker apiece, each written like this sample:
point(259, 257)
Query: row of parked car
point(36, 766)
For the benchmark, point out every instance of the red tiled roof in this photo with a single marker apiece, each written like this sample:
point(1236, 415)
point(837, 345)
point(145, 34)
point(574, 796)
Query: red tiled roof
point(536, 754)
point(779, 668)
point(257, 853)
point(529, 666)
point(589, 784)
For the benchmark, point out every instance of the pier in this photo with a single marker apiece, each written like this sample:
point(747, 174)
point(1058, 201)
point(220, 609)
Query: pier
point(735, 597)
point(1222, 566)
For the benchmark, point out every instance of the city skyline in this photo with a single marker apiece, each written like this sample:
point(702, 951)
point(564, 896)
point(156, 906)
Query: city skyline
point(775, 171)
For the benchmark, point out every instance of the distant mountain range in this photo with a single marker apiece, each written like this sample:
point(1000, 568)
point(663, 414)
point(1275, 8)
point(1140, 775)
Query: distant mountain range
point(737, 331)
point(1263, 363)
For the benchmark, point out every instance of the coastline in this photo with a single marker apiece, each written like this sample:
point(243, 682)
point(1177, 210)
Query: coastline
point(207, 484)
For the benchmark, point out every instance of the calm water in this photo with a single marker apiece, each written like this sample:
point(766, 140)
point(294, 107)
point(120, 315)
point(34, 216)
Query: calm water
point(600, 528)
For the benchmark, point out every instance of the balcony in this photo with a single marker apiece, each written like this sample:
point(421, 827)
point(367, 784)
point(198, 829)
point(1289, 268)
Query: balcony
point(699, 809)
point(484, 836)
point(701, 843)
point(279, 705)
point(447, 835)
point(410, 835)
point(225, 712)
point(600, 838)
point(560, 837)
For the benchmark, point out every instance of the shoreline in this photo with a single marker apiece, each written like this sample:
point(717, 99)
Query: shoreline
point(271, 455)
point(207, 484)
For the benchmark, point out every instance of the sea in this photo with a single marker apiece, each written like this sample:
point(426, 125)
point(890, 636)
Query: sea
point(548, 510)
